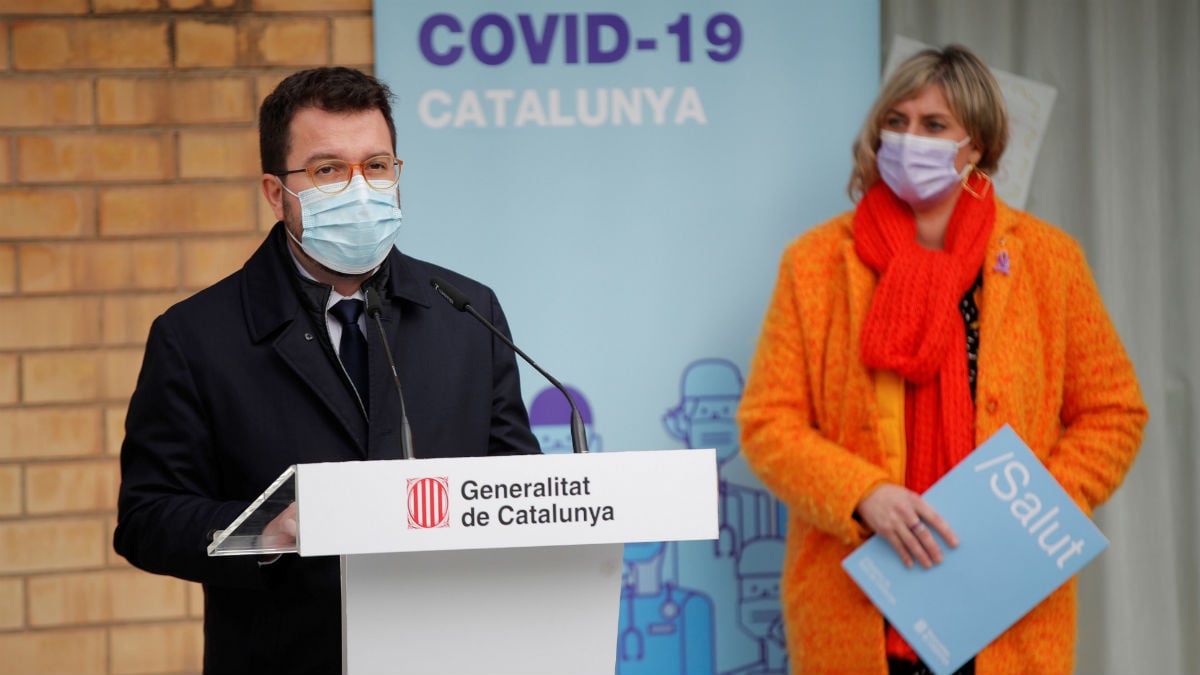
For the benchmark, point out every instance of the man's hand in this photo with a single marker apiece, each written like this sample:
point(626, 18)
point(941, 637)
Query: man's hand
point(907, 522)
point(283, 529)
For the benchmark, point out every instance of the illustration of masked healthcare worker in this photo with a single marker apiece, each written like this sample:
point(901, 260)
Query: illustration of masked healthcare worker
point(550, 419)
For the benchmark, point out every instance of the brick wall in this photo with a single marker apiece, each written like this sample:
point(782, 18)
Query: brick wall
point(128, 180)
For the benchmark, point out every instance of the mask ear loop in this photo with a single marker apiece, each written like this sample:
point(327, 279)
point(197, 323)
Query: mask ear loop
point(285, 188)
point(966, 182)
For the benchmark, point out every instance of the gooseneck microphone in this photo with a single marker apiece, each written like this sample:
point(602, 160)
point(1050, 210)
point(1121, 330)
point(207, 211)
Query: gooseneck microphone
point(460, 302)
point(374, 310)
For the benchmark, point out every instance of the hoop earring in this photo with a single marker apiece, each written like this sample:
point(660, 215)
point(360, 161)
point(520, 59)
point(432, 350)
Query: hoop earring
point(966, 182)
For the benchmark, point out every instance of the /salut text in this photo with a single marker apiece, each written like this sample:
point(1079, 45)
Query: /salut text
point(1009, 477)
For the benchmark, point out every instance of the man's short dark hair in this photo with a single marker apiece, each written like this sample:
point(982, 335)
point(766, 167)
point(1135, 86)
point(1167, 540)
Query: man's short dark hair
point(332, 89)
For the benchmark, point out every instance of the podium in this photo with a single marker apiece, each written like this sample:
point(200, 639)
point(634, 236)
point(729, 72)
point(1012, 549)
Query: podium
point(498, 565)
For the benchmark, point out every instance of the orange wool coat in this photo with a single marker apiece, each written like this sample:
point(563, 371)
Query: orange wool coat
point(817, 428)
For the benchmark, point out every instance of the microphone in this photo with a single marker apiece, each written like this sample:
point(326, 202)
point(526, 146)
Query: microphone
point(460, 302)
point(374, 310)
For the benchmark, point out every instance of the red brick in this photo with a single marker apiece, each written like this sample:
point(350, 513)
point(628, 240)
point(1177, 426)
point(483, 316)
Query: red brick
point(219, 153)
point(53, 488)
point(48, 433)
point(60, 322)
point(5, 146)
point(127, 318)
point(113, 560)
point(266, 216)
point(79, 376)
point(46, 213)
point(291, 42)
point(130, 100)
point(212, 100)
point(12, 604)
point(3, 46)
point(157, 648)
point(208, 260)
point(177, 209)
point(124, 5)
point(120, 373)
point(102, 597)
point(51, 544)
point(205, 44)
point(9, 370)
point(353, 41)
point(30, 103)
point(265, 84)
point(45, 6)
point(8, 270)
point(311, 5)
point(56, 652)
point(11, 498)
point(88, 157)
point(196, 601)
point(99, 266)
point(114, 429)
point(89, 44)
point(193, 100)
point(60, 377)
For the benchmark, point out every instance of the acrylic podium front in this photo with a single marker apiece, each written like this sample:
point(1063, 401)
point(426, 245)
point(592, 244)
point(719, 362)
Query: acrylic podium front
point(497, 565)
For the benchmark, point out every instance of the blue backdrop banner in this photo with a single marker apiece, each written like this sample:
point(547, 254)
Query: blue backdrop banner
point(626, 175)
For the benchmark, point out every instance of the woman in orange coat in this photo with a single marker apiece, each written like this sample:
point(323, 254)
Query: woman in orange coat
point(900, 336)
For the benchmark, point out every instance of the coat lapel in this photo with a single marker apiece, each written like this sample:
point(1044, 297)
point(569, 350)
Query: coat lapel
point(1001, 265)
point(860, 281)
point(275, 313)
point(300, 349)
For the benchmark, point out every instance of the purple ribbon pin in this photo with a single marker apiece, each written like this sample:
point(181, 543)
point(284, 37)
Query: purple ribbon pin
point(1002, 262)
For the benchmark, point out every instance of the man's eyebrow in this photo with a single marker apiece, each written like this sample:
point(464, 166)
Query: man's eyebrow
point(321, 155)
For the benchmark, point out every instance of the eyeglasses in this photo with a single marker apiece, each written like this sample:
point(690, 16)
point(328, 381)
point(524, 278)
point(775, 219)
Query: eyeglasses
point(331, 176)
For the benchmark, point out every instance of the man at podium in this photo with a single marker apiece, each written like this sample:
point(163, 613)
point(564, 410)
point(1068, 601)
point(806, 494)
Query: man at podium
point(284, 362)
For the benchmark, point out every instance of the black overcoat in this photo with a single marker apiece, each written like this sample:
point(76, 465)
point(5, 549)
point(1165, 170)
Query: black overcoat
point(237, 384)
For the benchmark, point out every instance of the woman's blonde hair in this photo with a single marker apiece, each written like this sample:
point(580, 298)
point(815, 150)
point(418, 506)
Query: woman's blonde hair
point(971, 92)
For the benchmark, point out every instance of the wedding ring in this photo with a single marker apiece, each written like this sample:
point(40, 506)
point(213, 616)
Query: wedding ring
point(917, 527)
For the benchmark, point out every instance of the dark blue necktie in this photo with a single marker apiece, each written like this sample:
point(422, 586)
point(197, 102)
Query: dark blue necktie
point(353, 347)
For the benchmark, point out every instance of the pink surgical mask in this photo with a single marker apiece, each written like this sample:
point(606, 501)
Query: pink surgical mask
point(919, 169)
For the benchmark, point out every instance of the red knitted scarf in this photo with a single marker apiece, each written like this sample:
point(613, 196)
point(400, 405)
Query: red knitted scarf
point(914, 327)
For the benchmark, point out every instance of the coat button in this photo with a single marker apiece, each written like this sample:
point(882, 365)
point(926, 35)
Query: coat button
point(308, 337)
point(992, 405)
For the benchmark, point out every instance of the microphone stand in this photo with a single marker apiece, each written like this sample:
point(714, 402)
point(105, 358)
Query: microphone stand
point(460, 302)
point(375, 310)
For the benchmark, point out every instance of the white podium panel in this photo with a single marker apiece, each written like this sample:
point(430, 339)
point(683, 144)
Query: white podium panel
point(520, 611)
point(497, 565)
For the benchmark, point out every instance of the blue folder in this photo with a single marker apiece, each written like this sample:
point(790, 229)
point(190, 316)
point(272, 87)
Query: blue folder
point(1020, 538)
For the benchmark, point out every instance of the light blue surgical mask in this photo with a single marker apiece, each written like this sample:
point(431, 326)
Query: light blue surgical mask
point(350, 232)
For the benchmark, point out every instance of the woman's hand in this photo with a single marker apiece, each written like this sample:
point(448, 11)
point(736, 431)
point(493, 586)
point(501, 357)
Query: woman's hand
point(907, 522)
